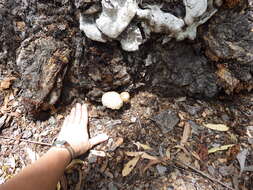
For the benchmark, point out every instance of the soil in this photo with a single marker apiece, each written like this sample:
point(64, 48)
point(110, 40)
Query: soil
point(177, 88)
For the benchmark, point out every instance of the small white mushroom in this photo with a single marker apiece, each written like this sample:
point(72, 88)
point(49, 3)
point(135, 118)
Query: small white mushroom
point(125, 96)
point(159, 21)
point(88, 26)
point(116, 16)
point(218, 3)
point(131, 39)
point(112, 100)
point(194, 9)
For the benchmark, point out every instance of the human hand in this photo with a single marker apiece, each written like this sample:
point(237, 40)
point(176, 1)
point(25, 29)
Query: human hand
point(75, 132)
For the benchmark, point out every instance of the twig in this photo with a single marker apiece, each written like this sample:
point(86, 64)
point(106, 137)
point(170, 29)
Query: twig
point(203, 174)
point(24, 140)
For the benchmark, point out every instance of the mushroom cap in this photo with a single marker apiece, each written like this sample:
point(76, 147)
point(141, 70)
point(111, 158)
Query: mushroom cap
point(125, 96)
point(112, 100)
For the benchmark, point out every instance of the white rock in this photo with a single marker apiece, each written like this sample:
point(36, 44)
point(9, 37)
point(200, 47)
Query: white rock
point(159, 21)
point(89, 27)
point(194, 9)
point(125, 96)
point(112, 100)
point(131, 39)
point(190, 31)
point(116, 16)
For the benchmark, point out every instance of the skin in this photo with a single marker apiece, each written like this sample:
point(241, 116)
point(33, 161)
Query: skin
point(46, 172)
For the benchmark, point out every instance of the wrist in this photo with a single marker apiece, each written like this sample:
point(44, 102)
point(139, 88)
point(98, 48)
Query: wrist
point(62, 152)
point(64, 144)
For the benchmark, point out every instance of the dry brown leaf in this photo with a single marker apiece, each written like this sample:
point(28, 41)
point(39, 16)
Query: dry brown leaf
point(186, 133)
point(220, 148)
point(217, 127)
point(149, 157)
point(143, 155)
point(233, 152)
point(167, 153)
point(241, 157)
point(150, 163)
point(58, 186)
point(6, 83)
point(98, 153)
point(195, 155)
point(182, 148)
point(143, 146)
point(130, 166)
point(118, 142)
point(73, 163)
point(202, 151)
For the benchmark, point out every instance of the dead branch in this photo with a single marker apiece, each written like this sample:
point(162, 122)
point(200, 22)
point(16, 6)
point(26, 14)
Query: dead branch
point(24, 140)
point(184, 165)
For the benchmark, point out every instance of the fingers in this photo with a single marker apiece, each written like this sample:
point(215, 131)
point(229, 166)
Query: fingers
point(97, 139)
point(84, 119)
point(72, 115)
point(78, 116)
point(65, 122)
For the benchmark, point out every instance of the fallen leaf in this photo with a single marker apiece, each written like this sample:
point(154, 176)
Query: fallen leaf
point(98, 153)
point(241, 157)
point(143, 155)
point(118, 142)
point(182, 148)
point(6, 83)
point(58, 186)
point(73, 163)
point(147, 156)
point(186, 133)
point(150, 163)
point(217, 127)
point(2, 120)
point(167, 153)
point(220, 148)
point(202, 151)
point(130, 166)
point(143, 146)
point(233, 152)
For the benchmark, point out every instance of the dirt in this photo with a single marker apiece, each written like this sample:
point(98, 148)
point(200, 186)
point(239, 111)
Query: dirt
point(176, 88)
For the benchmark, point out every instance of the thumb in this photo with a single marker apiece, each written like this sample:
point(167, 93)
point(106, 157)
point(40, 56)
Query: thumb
point(98, 139)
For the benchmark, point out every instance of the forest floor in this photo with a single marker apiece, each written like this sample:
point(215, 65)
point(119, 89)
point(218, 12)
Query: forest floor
point(157, 142)
point(168, 143)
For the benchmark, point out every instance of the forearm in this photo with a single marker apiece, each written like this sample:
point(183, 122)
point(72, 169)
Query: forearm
point(43, 174)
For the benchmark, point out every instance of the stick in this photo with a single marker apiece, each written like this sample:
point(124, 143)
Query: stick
point(24, 140)
point(203, 174)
